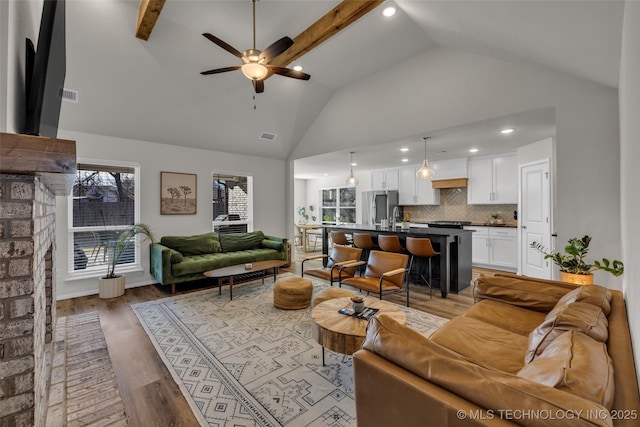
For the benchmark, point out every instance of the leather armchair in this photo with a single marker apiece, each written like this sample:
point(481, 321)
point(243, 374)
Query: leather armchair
point(338, 264)
point(385, 272)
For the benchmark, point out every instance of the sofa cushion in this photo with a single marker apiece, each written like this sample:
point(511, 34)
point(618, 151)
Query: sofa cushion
point(516, 291)
point(500, 392)
point(482, 343)
point(591, 294)
point(579, 316)
point(506, 316)
point(199, 244)
point(272, 244)
point(233, 242)
point(200, 263)
point(575, 363)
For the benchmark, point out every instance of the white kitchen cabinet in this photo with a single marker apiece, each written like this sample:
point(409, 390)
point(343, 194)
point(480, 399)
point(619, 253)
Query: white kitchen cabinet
point(386, 179)
point(493, 180)
point(494, 247)
point(415, 191)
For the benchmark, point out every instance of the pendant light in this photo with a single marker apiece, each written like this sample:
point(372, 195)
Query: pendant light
point(352, 180)
point(425, 172)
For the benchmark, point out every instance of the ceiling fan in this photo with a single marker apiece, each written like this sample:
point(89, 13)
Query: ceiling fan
point(255, 64)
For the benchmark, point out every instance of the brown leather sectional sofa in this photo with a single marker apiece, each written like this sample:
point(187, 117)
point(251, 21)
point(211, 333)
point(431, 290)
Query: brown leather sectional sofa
point(529, 352)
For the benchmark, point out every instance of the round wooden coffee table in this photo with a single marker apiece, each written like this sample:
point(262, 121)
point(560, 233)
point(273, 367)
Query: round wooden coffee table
point(345, 334)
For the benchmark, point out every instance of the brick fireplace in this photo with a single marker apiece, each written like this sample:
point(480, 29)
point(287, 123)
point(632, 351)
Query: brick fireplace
point(27, 277)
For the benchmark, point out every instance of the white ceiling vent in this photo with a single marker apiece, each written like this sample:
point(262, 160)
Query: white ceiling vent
point(69, 95)
point(268, 136)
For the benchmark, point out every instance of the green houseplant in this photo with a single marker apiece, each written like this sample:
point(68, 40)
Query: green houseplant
point(573, 264)
point(112, 285)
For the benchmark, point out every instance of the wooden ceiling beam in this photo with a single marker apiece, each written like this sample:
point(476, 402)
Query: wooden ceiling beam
point(148, 14)
point(337, 19)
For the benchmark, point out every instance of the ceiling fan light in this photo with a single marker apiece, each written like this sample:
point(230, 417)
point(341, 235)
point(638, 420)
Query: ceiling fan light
point(425, 172)
point(254, 71)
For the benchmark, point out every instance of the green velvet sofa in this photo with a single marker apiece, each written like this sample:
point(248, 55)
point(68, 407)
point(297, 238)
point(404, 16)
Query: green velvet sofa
point(178, 259)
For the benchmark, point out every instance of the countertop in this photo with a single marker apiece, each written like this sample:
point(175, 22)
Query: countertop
point(511, 224)
point(412, 230)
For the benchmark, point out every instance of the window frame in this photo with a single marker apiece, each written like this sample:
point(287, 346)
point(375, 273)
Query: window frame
point(337, 207)
point(100, 271)
point(249, 221)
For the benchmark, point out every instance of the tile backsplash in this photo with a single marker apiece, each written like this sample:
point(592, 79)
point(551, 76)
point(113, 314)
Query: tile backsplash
point(453, 207)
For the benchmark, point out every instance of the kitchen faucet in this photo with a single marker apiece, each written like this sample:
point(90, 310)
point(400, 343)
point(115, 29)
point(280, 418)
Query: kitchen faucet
point(394, 215)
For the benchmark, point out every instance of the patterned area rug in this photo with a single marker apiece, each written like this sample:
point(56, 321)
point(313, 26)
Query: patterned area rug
point(247, 363)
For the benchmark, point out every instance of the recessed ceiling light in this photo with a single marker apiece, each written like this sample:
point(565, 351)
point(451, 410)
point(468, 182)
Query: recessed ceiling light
point(404, 149)
point(506, 131)
point(405, 160)
point(325, 174)
point(354, 164)
point(298, 67)
point(389, 11)
point(473, 150)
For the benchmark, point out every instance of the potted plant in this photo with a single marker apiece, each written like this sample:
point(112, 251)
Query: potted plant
point(496, 218)
point(573, 267)
point(112, 285)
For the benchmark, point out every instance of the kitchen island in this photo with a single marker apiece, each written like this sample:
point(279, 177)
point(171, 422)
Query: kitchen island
point(453, 269)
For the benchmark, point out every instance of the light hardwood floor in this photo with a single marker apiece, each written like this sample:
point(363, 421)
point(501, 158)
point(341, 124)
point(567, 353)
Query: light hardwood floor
point(150, 395)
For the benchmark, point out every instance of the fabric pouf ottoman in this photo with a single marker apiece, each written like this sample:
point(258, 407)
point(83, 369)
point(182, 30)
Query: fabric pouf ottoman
point(292, 293)
point(331, 293)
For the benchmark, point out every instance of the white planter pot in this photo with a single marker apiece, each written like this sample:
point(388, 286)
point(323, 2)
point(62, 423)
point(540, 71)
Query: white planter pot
point(111, 288)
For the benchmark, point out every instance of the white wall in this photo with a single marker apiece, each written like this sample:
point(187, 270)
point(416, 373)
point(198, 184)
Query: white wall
point(630, 173)
point(268, 195)
point(444, 87)
point(18, 20)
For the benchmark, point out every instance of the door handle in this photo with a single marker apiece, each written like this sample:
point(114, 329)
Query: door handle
point(523, 227)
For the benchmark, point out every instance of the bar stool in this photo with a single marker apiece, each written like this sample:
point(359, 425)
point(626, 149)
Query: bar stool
point(364, 242)
point(390, 243)
point(339, 238)
point(421, 248)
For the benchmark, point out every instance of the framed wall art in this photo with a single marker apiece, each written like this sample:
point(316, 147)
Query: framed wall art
point(178, 193)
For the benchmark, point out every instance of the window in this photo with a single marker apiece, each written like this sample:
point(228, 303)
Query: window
point(338, 205)
point(104, 202)
point(232, 203)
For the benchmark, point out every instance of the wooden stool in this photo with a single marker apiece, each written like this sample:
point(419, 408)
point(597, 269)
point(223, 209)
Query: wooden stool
point(331, 293)
point(292, 293)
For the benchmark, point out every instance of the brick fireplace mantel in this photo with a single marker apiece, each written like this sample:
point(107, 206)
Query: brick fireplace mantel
point(33, 170)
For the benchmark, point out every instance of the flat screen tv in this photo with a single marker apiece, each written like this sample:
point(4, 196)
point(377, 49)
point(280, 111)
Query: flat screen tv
point(45, 72)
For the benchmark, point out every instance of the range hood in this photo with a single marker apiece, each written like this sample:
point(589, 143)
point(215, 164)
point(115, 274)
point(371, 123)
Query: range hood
point(449, 183)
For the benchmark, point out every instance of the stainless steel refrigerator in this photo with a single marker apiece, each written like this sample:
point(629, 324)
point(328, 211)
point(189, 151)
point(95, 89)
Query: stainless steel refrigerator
point(377, 205)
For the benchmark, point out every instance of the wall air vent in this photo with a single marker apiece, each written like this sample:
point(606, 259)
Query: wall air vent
point(268, 136)
point(69, 95)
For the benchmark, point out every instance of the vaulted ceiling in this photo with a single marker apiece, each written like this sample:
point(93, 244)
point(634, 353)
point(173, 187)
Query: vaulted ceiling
point(152, 90)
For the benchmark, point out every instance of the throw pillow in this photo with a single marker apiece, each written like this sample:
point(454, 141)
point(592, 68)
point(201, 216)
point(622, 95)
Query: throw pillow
point(175, 256)
point(591, 294)
point(579, 316)
point(199, 244)
point(577, 364)
point(272, 244)
point(234, 242)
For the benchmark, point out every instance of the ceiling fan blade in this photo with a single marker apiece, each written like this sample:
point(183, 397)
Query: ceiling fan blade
point(220, 70)
point(288, 72)
point(276, 49)
point(226, 46)
point(258, 85)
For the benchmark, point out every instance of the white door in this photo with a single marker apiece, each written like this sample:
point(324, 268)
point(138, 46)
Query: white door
point(535, 218)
